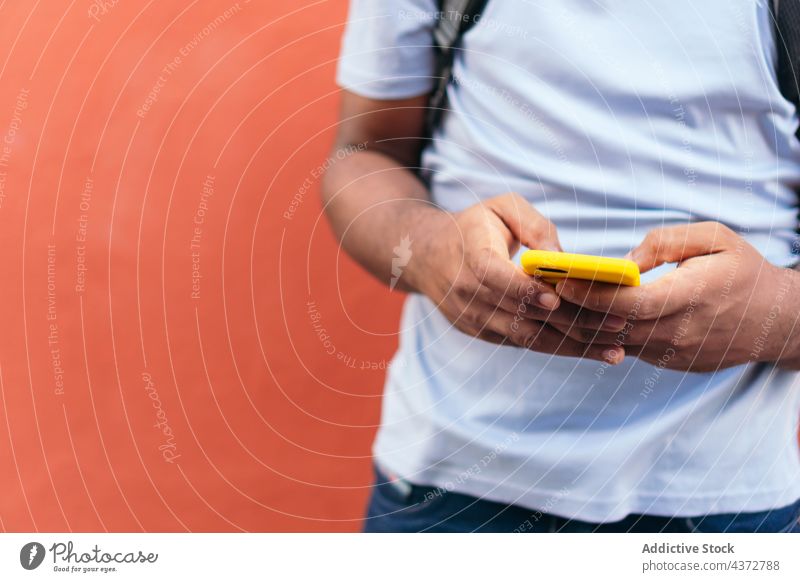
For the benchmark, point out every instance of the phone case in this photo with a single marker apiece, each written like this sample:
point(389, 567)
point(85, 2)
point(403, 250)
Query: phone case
point(553, 267)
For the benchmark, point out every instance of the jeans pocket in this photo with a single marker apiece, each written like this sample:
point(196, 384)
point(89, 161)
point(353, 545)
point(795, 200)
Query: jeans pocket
point(781, 520)
point(391, 494)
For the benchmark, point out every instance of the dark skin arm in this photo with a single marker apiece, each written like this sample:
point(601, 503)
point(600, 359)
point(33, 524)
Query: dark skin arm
point(461, 260)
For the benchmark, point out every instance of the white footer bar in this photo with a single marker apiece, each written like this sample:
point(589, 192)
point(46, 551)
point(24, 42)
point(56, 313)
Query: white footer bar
point(389, 557)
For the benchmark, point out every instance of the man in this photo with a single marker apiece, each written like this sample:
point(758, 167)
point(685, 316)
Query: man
point(655, 130)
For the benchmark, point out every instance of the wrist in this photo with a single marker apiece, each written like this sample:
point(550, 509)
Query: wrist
point(432, 236)
point(780, 321)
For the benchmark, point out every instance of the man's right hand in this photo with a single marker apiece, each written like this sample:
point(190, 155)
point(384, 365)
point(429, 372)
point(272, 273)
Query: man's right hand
point(464, 266)
point(462, 261)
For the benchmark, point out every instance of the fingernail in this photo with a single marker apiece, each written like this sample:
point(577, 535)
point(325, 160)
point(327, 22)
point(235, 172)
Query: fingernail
point(614, 323)
point(548, 300)
point(612, 356)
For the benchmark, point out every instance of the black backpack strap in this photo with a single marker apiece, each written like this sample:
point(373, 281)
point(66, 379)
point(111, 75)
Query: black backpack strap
point(787, 39)
point(454, 19)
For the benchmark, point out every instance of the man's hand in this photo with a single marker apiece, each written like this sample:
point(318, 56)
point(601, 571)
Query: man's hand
point(461, 261)
point(465, 267)
point(724, 305)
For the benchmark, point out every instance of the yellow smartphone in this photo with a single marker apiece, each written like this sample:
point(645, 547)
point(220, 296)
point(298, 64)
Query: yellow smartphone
point(552, 267)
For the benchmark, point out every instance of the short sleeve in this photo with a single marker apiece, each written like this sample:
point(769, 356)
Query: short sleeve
point(387, 50)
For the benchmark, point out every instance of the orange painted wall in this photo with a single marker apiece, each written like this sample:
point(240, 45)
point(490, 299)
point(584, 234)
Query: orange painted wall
point(162, 238)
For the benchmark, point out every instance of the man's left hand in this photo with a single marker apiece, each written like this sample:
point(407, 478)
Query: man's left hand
point(724, 305)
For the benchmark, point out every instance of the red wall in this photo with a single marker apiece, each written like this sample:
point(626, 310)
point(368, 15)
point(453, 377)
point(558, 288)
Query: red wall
point(136, 395)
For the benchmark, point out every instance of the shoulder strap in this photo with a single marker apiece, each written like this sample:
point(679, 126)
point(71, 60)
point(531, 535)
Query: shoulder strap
point(786, 14)
point(454, 19)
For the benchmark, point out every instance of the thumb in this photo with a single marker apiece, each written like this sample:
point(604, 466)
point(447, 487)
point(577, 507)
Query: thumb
point(526, 223)
point(673, 244)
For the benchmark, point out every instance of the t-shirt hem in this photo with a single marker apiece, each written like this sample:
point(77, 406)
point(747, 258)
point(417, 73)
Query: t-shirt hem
point(571, 506)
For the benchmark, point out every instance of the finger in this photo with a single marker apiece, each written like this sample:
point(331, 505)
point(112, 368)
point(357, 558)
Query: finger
point(579, 335)
point(525, 222)
point(517, 221)
point(673, 244)
point(504, 279)
point(467, 319)
point(539, 337)
point(498, 326)
point(667, 296)
point(603, 297)
point(566, 346)
point(640, 333)
point(593, 336)
point(576, 317)
point(527, 307)
point(567, 314)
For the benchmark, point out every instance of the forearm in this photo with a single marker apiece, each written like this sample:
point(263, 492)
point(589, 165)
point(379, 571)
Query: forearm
point(374, 203)
point(786, 311)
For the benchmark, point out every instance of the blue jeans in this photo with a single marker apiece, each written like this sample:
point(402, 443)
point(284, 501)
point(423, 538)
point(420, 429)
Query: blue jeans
point(399, 506)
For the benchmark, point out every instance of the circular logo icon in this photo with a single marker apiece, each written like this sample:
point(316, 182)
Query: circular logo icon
point(31, 555)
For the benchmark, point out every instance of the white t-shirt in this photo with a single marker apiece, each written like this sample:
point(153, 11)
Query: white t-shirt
point(613, 118)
